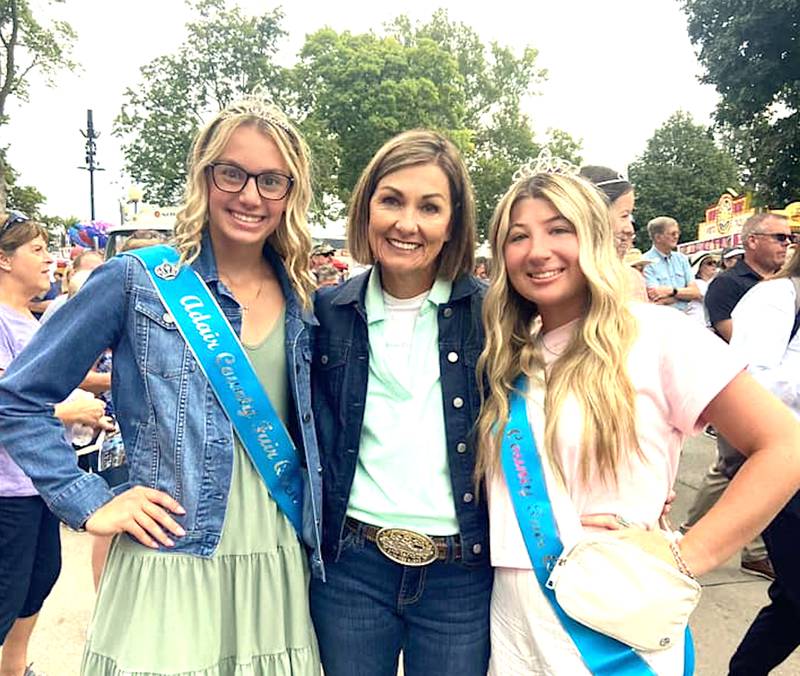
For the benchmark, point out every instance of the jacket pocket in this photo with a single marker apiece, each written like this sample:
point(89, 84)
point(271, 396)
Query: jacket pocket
point(159, 343)
point(329, 367)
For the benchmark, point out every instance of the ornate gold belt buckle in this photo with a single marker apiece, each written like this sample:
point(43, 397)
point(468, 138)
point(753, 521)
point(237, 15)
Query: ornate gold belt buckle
point(406, 547)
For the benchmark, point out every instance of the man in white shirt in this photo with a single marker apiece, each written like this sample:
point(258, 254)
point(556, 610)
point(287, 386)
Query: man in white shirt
point(765, 333)
point(765, 240)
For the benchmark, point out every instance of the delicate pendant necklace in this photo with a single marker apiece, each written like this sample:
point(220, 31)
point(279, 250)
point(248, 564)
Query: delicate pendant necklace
point(547, 348)
point(245, 306)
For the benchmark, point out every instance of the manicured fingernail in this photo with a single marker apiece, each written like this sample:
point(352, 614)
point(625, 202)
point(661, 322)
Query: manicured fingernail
point(180, 510)
point(180, 532)
point(170, 543)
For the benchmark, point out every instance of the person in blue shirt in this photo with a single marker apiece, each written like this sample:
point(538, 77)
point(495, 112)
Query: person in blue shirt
point(669, 277)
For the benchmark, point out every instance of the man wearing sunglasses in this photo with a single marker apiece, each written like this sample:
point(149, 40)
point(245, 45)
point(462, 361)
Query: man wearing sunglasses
point(765, 239)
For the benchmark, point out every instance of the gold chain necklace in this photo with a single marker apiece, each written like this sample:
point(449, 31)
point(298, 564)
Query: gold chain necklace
point(245, 306)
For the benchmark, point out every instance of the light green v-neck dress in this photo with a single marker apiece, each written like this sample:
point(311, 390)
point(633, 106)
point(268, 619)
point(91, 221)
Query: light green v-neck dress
point(243, 611)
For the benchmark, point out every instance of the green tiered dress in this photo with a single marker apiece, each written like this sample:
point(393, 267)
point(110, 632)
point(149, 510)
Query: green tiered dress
point(243, 611)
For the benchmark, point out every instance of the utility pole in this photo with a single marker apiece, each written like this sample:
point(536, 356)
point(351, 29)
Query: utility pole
point(91, 137)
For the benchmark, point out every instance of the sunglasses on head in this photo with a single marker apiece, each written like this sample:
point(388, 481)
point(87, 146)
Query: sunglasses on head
point(13, 218)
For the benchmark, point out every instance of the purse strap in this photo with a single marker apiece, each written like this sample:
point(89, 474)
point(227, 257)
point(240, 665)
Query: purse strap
point(522, 466)
point(222, 359)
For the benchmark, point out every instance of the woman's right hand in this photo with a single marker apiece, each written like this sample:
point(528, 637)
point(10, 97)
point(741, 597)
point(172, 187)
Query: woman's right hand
point(142, 512)
point(84, 411)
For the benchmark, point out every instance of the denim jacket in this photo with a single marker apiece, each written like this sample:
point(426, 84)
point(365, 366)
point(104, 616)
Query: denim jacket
point(339, 387)
point(177, 437)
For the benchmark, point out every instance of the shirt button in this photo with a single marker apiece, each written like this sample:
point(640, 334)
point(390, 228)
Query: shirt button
point(461, 447)
point(324, 359)
point(468, 497)
point(458, 402)
point(168, 318)
point(448, 312)
point(319, 469)
point(306, 417)
point(477, 549)
point(452, 357)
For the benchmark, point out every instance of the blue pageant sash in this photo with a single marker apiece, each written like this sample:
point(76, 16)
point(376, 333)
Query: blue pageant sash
point(522, 466)
point(219, 353)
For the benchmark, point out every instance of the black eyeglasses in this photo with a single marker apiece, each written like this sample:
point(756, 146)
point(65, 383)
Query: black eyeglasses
point(271, 185)
point(13, 218)
point(780, 237)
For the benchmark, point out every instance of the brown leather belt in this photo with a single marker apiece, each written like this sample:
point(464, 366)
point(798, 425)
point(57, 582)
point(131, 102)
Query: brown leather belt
point(407, 547)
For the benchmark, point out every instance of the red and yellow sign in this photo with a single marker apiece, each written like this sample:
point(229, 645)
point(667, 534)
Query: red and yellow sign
point(726, 217)
point(792, 212)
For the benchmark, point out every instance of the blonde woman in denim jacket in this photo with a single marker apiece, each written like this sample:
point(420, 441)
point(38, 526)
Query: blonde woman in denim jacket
point(207, 575)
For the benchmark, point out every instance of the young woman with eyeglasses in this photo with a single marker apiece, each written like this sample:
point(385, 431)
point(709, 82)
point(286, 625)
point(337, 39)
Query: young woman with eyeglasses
point(621, 198)
point(208, 574)
point(30, 548)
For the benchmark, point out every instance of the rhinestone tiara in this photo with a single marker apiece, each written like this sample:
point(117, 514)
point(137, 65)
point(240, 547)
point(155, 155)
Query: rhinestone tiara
point(259, 104)
point(546, 163)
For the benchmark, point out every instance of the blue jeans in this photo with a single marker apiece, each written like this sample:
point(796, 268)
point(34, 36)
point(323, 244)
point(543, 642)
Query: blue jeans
point(371, 608)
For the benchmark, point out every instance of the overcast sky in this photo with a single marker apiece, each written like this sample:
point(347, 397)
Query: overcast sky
point(617, 70)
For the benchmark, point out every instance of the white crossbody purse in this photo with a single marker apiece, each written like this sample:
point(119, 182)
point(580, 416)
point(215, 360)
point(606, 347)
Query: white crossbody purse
point(618, 589)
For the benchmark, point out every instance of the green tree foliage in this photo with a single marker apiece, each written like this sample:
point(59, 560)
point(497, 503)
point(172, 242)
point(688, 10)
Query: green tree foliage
point(24, 198)
point(356, 91)
point(751, 53)
point(29, 200)
point(225, 54)
point(681, 173)
point(348, 92)
point(29, 45)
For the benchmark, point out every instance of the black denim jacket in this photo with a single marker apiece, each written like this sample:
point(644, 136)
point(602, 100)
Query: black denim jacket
point(340, 370)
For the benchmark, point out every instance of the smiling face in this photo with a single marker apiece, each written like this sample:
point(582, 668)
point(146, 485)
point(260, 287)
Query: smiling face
point(622, 220)
point(541, 257)
point(29, 266)
point(245, 217)
point(409, 222)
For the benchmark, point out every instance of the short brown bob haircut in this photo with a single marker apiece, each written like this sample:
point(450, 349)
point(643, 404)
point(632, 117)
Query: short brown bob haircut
point(412, 148)
point(19, 234)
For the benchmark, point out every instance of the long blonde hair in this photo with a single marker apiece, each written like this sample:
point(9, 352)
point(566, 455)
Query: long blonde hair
point(291, 240)
point(593, 366)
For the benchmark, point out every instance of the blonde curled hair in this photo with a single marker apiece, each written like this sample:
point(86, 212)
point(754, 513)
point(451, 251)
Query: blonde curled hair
point(291, 239)
point(592, 368)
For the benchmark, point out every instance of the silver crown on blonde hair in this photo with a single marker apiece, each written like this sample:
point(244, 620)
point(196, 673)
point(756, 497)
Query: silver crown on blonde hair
point(546, 163)
point(259, 104)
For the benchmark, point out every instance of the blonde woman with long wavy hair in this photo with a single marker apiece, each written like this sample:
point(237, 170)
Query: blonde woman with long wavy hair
point(207, 574)
point(610, 391)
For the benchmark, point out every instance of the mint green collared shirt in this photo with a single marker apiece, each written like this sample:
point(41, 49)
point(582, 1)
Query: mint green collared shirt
point(402, 476)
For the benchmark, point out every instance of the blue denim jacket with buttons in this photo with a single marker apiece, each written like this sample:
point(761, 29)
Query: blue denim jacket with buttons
point(339, 387)
point(177, 437)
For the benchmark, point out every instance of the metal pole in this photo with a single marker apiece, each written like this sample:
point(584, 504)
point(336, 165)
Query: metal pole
point(91, 137)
